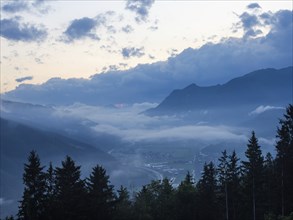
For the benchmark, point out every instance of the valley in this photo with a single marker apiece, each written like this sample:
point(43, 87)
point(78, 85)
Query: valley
point(140, 142)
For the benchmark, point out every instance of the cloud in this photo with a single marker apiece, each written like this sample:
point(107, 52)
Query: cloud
point(17, 6)
point(81, 28)
point(108, 48)
point(87, 27)
point(153, 28)
point(213, 63)
point(249, 23)
point(125, 122)
point(128, 52)
point(172, 52)
point(253, 6)
point(111, 29)
point(24, 79)
point(127, 29)
point(261, 109)
point(151, 57)
point(41, 6)
point(13, 29)
point(197, 133)
point(140, 8)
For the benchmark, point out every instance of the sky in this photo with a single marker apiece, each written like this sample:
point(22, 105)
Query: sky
point(41, 40)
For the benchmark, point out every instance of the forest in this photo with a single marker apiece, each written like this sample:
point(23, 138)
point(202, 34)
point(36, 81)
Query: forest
point(260, 187)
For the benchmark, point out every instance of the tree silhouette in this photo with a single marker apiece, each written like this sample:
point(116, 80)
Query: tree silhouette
point(50, 193)
point(101, 198)
point(224, 179)
point(207, 190)
point(70, 191)
point(32, 205)
point(284, 160)
point(253, 169)
point(234, 187)
point(186, 199)
point(124, 210)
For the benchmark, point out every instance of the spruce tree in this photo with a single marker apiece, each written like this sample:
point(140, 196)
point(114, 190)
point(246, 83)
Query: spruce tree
point(253, 169)
point(284, 160)
point(234, 174)
point(70, 191)
point(224, 179)
point(186, 199)
point(207, 190)
point(101, 197)
point(166, 200)
point(144, 201)
point(50, 193)
point(32, 205)
point(270, 186)
point(124, 209)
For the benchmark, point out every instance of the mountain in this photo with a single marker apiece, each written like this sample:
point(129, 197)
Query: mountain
point(267, 87)
point(17, 140)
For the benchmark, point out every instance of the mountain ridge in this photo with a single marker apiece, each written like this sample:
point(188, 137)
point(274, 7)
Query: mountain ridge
point(261, 87)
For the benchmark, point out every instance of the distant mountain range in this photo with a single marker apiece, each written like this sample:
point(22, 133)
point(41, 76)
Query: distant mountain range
point(267, 87)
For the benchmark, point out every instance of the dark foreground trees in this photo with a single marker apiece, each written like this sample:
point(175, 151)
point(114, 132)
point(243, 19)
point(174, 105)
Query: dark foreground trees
point(259, 188)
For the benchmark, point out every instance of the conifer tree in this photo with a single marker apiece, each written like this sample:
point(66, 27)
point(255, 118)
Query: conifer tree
point(32, 205)
point(234, 174)
point(124, 209)
point(101, 197)
point(207, 189)
point(224, 179)
point(284, 160)
point(70, 191)
point(166, 200)
point(270, 186)
point(50, 193)
point(143, 205)
point(253, 169)
point(186, 199)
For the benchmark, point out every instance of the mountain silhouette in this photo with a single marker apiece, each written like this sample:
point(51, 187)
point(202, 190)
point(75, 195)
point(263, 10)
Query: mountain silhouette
point(261, 87)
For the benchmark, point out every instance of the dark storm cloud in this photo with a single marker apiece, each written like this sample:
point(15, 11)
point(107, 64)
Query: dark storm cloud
point(140, 7)
point(128, 52)
point(24, 79)
point(13, 29)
